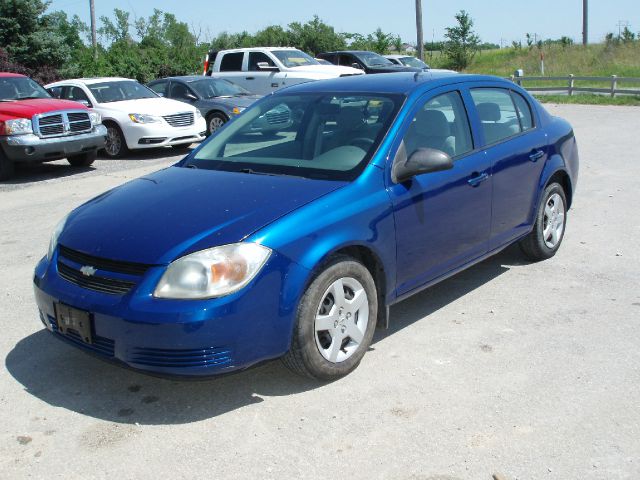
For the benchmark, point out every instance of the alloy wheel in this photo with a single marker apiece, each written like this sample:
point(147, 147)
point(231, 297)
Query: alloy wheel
point(554, 218)
point(215, 123)
point(114, 142)
point(341, 320)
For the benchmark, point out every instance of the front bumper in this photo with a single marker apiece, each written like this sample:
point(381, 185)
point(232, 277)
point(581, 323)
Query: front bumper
point(154, 135)
point(180, 337)
point(32, 148)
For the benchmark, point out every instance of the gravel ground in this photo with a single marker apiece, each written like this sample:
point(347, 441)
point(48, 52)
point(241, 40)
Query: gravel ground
point(527, 370)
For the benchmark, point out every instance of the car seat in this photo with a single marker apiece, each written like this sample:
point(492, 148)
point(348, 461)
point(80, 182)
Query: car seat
point(490, 116)
point(431, 129)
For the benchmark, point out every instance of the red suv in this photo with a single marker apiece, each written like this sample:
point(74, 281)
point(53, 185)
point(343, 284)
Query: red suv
point(35, 127)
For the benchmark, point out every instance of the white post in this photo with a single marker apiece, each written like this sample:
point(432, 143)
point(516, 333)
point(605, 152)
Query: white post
point(614, 85)
point(571, 84)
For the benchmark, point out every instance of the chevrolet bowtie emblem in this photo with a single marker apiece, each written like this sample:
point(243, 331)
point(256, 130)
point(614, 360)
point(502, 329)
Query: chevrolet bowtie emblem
point(88, 271)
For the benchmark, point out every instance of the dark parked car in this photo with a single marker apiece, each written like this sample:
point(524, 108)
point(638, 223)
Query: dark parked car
point(370, 62)
point(219, 100)
point(247, 251)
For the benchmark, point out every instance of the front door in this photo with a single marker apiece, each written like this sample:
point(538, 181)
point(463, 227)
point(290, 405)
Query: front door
point(442, 218)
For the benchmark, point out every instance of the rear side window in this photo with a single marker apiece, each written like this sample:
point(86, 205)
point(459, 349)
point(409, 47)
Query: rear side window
point(441, 124)
point(524, 111)
point(497, 113)
point(232, 62)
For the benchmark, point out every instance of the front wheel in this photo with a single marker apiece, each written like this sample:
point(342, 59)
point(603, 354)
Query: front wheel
point(335, 323)
point(83, 160)
point(551, 220)
point(116, 145)
point(7, 167)
point(214, 122)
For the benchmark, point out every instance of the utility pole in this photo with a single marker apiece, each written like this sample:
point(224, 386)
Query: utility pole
point(585, 22)
point(419, 29)
point(94, 37)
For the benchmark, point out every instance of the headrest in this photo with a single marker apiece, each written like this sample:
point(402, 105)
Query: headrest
point(489, 112)
point(433, 123)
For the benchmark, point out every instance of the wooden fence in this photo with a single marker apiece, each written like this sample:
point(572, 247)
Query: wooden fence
point(567, 84)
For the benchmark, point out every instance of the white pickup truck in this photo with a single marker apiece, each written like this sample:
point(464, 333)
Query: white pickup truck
point(265, 69)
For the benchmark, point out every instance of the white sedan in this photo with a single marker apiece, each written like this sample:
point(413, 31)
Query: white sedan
point(135, 116)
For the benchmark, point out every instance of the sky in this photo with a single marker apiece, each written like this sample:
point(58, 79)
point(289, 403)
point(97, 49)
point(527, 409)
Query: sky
point(496, 21)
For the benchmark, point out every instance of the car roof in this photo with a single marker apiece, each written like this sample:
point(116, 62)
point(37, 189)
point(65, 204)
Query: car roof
point(11, 75)
point(270, 49)
point(348, 51)
point(90, 81)
point(188, 78)
point(389, 83)
point(397, 56)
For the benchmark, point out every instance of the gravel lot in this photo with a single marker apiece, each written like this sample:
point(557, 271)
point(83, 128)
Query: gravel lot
point(529, 370)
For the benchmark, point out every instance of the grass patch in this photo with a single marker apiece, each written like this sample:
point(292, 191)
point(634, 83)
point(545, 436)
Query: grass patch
point(590, 99)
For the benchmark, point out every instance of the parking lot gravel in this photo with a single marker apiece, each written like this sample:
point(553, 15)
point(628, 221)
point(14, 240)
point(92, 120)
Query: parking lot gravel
point(525, 371)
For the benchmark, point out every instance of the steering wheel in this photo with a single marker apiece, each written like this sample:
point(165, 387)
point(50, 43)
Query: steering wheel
point(360, 141)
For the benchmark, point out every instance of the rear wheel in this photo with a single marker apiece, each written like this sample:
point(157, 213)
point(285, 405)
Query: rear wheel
point(116, 145)
point(214, 122)
point(7, 167)
point(335, 323)
point(551, 220)
point(83, 160)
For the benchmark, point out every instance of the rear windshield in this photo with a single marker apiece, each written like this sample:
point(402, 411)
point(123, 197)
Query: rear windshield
point(119, 91)
point(319, 135)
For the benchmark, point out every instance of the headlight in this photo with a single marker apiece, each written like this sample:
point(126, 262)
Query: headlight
point(95, 117)
point(19, 126)
point(238, 110)
point(212, 273)
point(53, 243)
point(144, 118)
point(198, 114)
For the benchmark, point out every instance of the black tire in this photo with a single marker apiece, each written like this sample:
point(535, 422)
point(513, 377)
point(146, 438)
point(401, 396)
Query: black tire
point(215, 121)
point(83, 160)
point(7, 167)
point(535, 246)
point(182, 147)
point(116, 146)
point(304, 357)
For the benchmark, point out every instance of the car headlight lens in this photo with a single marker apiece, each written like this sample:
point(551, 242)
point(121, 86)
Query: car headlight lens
point(53, 243)
point(95, 117)
point(144, 118)
point(238, 110)
point(198, 114)
point(18, 126)
point(212, 273)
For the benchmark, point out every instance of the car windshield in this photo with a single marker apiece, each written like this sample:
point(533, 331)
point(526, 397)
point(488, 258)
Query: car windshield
point(119, 91)
point(20, 88)
point(413, 62)
point(371, 59)
point(323, 136)
point(294, 58)
point(216, 87)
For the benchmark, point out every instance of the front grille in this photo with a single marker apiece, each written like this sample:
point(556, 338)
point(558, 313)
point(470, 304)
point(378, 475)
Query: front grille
point(202, 357)
point(62, 123)
point(101, 345)
point(116, 266)
point(180, 119)
point(96, 283)
point(277, 118)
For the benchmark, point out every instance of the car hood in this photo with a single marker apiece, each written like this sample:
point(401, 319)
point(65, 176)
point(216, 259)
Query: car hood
point(29, 108)
point(240, 101)
point(328, 70)
point(165, 215)
point(150, 106)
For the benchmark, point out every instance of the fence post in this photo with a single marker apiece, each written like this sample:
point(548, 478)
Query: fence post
point(513, 78)
point(614, 85)
point(571, 84)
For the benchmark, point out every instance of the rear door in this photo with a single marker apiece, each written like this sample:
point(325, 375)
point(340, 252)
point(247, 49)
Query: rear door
point(442, 218)
point(231, 67)
point(517, 151)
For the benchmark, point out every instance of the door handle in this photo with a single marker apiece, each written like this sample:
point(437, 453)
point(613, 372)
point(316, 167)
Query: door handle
point(478, 178)
point(536, 155)
point(250, 78)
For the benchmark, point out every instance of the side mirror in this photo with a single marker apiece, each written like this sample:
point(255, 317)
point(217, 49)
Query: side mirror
point(423, 160)
point(357, 65)
point(86, 103)
point(190, 96)
point(264, 66)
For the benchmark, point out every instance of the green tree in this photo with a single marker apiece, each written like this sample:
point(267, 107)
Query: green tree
point(628, 36)
point(462, 42)
point(381, 42)
point(398, 44)
point(315, 36)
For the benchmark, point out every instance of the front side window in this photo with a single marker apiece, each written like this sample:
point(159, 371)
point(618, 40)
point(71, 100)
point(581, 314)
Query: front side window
point(497, 113)
point(217, 87)
point(76, 94)
point(119, 91)
point(232, 62)
point(259, 57)
point(322, 136)
point(371, 59)
point(160, 87)
point(442, 124)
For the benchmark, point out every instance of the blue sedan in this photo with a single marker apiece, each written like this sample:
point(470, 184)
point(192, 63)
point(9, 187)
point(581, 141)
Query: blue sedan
point(295, 246)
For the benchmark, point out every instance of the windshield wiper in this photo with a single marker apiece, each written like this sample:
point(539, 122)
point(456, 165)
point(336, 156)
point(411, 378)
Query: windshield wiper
point(253, 172)
point(28, 98)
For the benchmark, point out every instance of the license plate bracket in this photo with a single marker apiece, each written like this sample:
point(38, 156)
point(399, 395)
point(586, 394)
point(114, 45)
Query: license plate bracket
point(69, 318)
